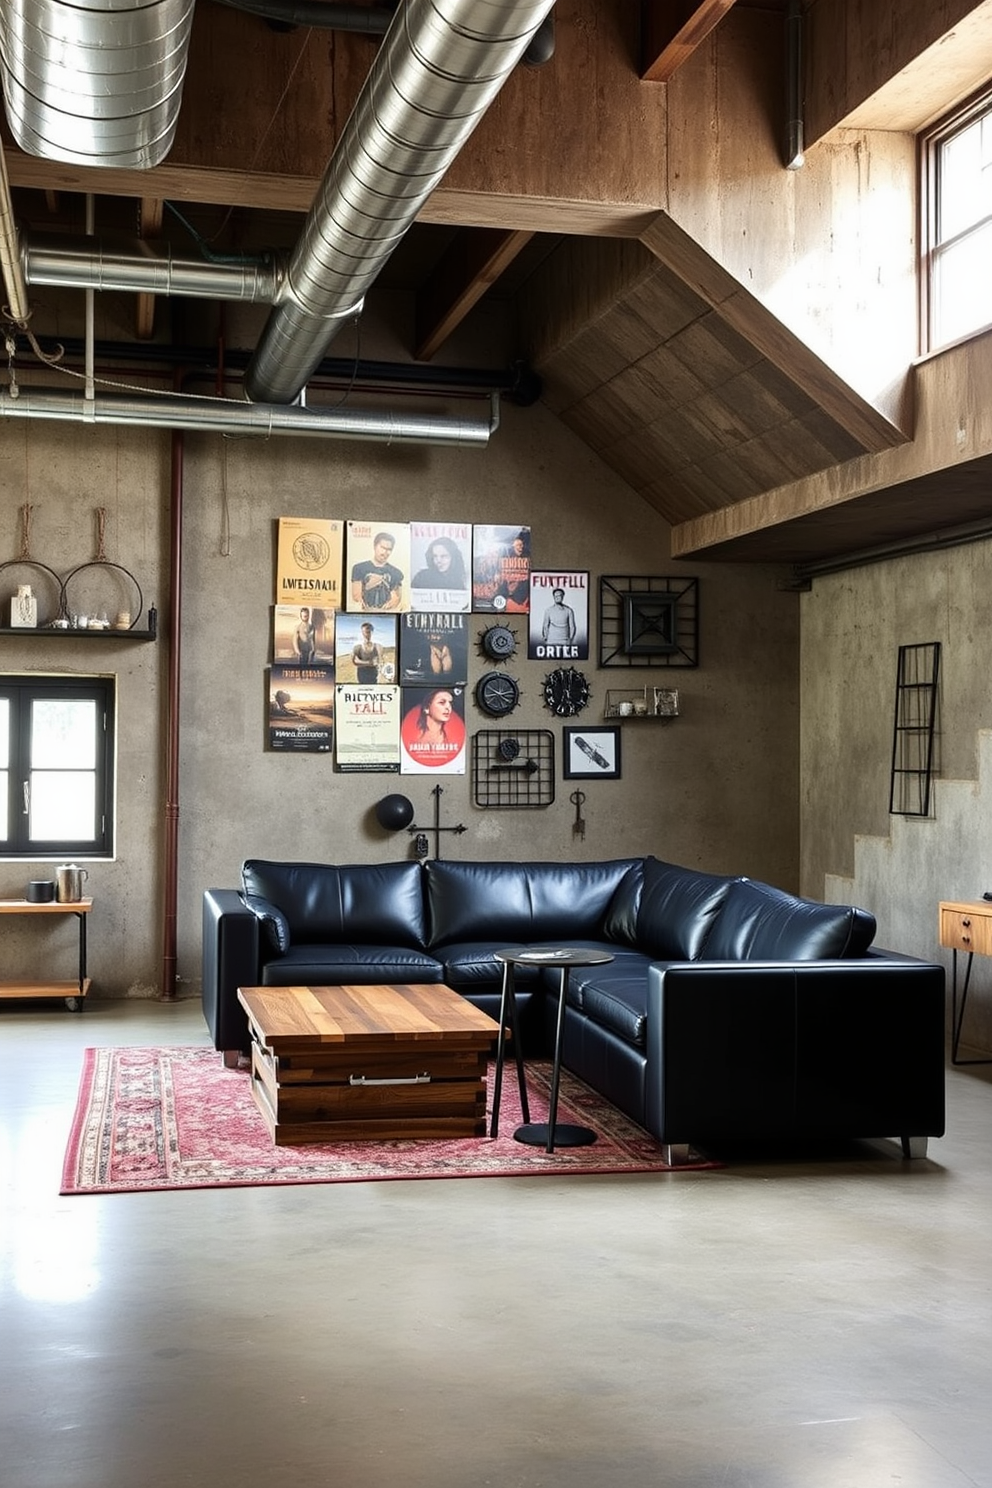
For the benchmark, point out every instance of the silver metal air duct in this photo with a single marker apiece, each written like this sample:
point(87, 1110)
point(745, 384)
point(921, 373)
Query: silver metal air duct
point(215, 415)
point(439, 68)
point(97, 82)
point(147, 268)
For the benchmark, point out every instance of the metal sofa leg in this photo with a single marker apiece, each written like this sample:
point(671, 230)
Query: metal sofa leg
point(914, 1146)
point(675, 1153)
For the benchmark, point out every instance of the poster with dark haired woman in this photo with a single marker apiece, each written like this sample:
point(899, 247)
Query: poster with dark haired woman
point(432, 732)
point(441, 565)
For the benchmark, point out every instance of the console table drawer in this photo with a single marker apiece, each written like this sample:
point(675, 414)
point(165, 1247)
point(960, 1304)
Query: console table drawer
point(966, 930)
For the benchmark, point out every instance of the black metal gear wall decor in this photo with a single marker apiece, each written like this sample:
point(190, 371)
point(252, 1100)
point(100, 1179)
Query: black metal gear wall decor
point(498, 643)
point(497, 694)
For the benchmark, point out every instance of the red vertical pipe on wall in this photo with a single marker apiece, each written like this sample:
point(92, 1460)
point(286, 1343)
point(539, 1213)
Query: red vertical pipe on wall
point(169, 959)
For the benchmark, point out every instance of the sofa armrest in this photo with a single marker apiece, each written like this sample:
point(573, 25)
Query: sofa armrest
point(230, 961)
point(742, 1051)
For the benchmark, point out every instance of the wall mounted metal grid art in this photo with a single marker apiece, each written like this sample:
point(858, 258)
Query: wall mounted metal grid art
point(648, 621)
point(513, 768)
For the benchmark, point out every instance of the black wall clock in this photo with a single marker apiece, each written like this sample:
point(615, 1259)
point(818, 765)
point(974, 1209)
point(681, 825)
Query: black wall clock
point(497, 694)
point(566, 691)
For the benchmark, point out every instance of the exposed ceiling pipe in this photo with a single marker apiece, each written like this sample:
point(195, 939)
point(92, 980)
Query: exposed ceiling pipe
point(518, 383)
point(439, 68)
point(13, 276)
point(145, 267)
point(165, 412)
point(95, 82)
point(372, 20)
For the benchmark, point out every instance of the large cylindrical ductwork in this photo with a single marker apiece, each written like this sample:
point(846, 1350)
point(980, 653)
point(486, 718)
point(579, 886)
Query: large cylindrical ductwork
point(440, 66)
point(98, 82)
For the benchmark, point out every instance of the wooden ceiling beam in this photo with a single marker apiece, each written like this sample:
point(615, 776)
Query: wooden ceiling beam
point(471, 265)
point(671, 30)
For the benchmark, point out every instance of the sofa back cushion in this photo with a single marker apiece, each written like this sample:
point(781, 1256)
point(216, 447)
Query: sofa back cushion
point(366, 903)
point(520, 902)
point(620, 924)
point(760, 923)
point(677, 910)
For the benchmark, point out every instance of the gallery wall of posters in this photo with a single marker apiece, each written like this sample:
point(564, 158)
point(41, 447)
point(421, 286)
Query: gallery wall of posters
point(301, 708)
point(365, 648)
point(432, 731)
point(441, 566)
point(377, 558)
point(501, 569)
point(309, 562)
point(367, 728)
point(434, 647)
point(558, 629)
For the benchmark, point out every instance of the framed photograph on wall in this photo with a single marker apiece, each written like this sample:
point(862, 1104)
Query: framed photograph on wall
point(591, 753)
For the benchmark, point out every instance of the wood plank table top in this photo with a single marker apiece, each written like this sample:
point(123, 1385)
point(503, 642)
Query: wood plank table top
point(404, 1012)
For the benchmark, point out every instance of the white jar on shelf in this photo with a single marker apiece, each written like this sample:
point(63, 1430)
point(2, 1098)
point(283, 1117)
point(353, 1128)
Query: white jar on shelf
point(23, 609)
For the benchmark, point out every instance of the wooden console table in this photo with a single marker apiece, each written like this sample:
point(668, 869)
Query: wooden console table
point(964, 926)
point(72, 992)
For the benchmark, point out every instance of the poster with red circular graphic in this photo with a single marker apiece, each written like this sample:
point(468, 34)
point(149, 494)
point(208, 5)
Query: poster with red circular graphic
point(432, 733)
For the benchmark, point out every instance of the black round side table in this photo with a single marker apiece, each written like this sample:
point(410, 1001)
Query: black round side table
point(549, 1134)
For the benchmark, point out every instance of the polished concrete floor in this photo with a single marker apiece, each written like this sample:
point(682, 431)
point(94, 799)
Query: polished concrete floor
point(781, 1323)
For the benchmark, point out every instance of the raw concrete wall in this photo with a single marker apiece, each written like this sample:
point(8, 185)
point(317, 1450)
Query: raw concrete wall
point(900, 868)
point(717, 788)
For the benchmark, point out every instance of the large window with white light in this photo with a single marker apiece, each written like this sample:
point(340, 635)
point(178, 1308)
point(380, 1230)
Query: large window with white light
point(957, 161)
point(56, 766)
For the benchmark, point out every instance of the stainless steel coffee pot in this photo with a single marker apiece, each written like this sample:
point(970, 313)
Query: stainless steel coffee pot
point(69, 883)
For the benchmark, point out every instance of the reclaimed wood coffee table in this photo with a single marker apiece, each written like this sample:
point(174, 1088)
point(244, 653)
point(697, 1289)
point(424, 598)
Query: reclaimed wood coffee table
point(352, 1063)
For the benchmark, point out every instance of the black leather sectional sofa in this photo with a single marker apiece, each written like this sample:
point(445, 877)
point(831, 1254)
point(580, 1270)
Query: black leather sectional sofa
point(732, 1011)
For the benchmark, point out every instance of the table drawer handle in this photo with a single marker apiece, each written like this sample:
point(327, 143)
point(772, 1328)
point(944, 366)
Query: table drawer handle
point(424, 1079)
point(966, 924)
point(966, 940)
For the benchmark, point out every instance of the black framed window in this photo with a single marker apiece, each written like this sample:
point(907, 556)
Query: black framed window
point(56, 766)
point(957, 181)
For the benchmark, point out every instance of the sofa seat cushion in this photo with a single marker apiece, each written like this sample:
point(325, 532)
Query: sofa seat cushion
point(372, 903)
point(345, 964)
point(760, 923)
point(677, 910)
point(520, 903)
point(615, 996)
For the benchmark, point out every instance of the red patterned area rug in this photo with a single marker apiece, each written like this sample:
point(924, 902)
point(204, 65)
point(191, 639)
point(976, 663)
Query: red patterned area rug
point(176, 1118)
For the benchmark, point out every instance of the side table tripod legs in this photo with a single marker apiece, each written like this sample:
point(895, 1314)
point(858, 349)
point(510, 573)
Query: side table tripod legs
point(508, 1008)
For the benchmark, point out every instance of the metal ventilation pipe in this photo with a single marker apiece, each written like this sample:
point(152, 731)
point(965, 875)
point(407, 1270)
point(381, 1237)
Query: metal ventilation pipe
point(216, 415)
point(144, 267)
point(97, 82)
point(440, 66)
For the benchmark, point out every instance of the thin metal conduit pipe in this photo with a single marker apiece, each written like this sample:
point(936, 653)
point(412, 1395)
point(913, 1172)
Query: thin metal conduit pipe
point(10, 266)
point(517, 383)
point(171, 412)
point(170, 959)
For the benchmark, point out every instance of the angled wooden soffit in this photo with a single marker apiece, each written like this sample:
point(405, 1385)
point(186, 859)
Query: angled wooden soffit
point(771, 339)
point(939, 482)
